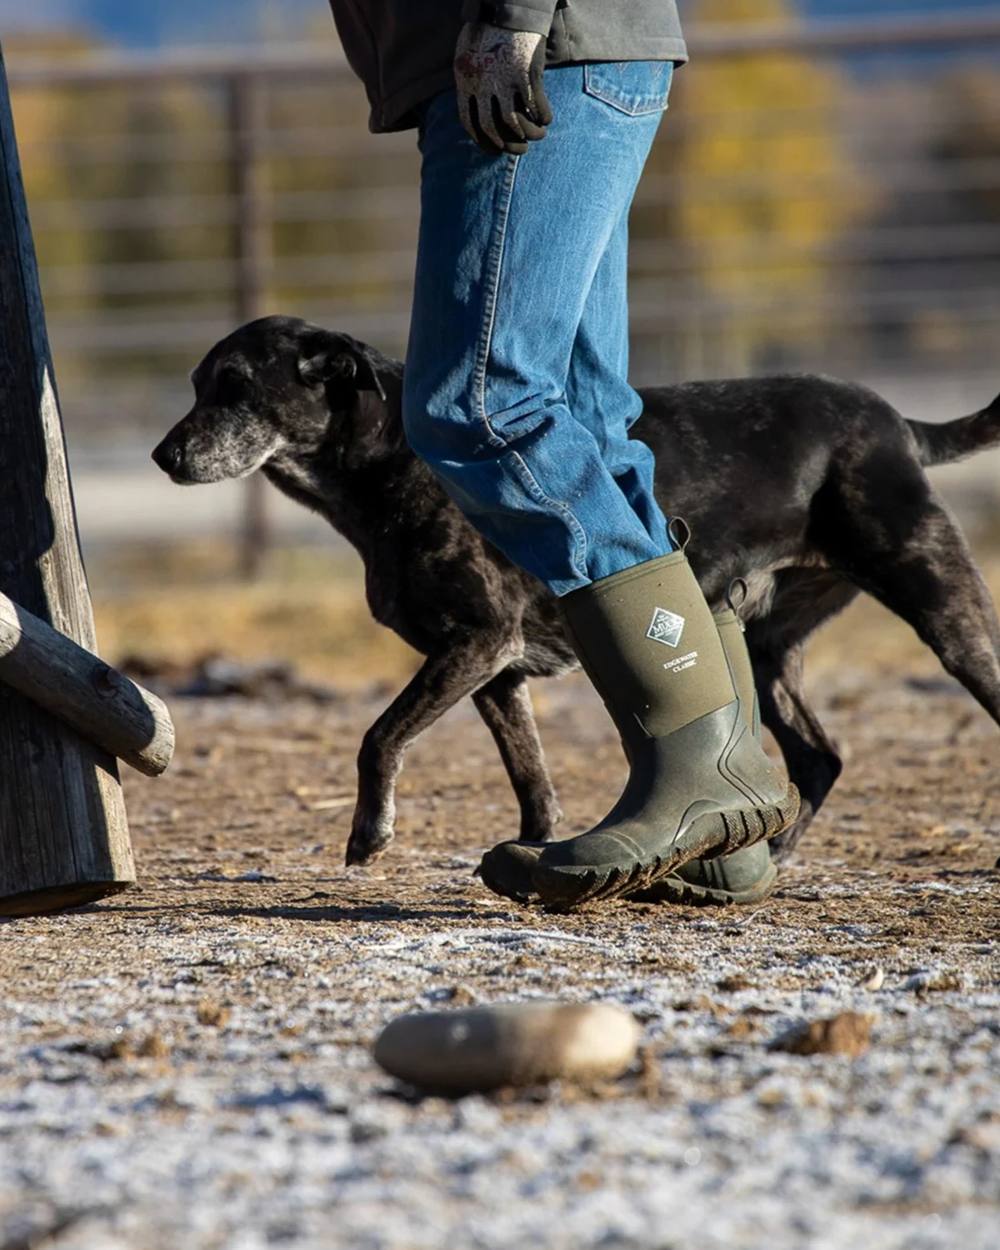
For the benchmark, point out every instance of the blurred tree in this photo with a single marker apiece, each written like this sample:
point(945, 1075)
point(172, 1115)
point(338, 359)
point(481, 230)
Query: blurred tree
point(952, 277)
point(140, 178)
point(364, 245)
point(971, 112)
point(89, 149)
point(44, 119)
point(756, 183)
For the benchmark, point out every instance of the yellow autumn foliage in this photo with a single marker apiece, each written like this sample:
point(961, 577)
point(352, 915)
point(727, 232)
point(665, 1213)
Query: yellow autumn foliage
point(764, 183)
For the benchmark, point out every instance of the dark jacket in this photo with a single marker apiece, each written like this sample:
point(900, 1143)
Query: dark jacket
point(402, 49)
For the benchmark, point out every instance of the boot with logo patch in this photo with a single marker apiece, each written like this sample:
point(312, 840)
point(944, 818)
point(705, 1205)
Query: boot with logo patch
point(745, 876)
point(748, 875)
point(648, 642)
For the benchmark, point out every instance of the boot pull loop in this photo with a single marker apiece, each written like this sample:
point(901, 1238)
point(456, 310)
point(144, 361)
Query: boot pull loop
point(736, 597)
point(679, 532)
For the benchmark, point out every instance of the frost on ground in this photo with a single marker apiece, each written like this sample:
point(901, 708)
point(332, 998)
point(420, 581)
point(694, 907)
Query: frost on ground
point(188, 1065)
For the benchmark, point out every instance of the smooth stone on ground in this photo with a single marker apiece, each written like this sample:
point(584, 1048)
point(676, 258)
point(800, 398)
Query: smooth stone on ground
point(845, 1034)
point(483, 1048)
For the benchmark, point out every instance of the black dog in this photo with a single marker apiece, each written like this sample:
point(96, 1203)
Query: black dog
point(809, 488)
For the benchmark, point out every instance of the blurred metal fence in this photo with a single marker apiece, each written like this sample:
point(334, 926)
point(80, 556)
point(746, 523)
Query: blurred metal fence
point(820, 197)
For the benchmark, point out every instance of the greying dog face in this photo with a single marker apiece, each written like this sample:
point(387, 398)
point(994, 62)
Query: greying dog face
point(271, 388)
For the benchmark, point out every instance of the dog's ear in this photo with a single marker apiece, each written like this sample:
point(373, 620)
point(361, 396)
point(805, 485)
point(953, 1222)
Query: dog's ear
point(354, 362)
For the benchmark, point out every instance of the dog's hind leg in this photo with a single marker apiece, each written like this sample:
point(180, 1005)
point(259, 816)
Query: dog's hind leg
point(886, 529)
point(934, 585)
point(811, 756)
point(505, 705)
point(437, 685)
point(800, 600)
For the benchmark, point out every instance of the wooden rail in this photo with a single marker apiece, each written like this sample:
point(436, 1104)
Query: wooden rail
point(100, 703)
point(293, 60)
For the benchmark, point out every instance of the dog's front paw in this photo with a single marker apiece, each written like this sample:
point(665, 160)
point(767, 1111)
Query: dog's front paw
point(368, 841)
point(542, 825)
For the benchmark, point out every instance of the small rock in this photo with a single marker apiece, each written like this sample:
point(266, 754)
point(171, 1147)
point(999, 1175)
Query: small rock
point(120, 1048)
point(927, 980)
point(650, 1076)
point(453, 995)
point(124, 1048)
point(701, 1002)
point(365, 1129)
point(845, 1034)
point(153, 1046)
point(735, 983)
point(873, 980)
point(461, 996)
point(483, 1048)
point(743, 1028)
point(212, 1014)
point(771, 1098)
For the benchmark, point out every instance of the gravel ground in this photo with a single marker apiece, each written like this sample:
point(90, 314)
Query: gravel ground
point(188, 1064)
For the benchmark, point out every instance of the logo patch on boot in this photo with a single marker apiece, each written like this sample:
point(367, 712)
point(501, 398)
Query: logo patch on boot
point(665, 627)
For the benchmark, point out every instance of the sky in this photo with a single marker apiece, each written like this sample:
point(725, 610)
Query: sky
point(156, 23)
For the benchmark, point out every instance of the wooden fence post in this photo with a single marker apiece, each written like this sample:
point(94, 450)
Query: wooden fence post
point(247, 120)
point(63, 830)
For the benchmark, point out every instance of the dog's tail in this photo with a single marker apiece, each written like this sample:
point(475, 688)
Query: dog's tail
point(953, 440)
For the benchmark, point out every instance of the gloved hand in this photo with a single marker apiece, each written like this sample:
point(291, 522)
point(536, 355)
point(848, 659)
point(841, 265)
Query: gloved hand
point(501, 99)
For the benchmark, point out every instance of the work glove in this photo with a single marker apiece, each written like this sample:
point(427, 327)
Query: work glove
point(501, 99)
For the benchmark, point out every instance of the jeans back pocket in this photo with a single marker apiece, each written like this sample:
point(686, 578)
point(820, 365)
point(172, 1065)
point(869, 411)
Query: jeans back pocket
point(632, 87)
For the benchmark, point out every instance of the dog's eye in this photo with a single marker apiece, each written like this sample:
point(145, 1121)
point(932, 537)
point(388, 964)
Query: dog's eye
point(230, 386)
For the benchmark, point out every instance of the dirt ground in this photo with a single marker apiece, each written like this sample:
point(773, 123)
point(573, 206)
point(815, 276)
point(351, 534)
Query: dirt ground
point(188, 1064)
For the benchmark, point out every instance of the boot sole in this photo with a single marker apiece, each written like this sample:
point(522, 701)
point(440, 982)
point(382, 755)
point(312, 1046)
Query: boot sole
point(564, 888)
point(669, 889)
point(674, 889)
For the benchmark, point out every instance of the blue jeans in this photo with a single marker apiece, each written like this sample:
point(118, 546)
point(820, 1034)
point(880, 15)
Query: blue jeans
point(516, 390)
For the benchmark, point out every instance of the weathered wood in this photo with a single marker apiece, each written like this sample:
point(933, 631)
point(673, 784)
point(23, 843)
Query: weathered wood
point(247, 127)
point(63, 830)
point(95, 699)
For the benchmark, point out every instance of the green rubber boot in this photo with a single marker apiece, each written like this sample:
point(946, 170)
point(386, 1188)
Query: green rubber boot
point(745, 876)
point(699, 783)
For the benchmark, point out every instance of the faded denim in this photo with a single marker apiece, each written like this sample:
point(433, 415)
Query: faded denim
point(516, 388)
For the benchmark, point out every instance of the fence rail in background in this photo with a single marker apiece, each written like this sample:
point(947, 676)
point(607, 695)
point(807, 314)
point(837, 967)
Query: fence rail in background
point(822, 195)
point(877, 35)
